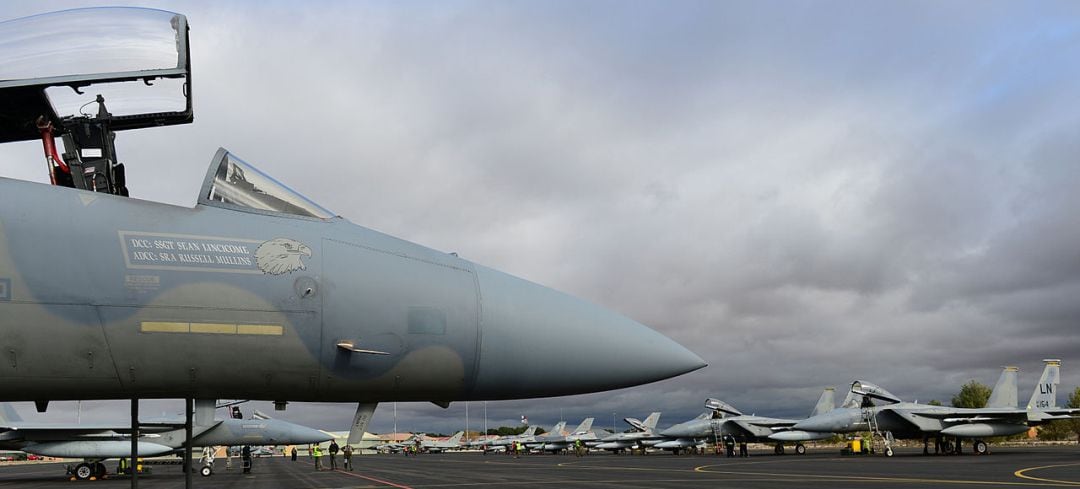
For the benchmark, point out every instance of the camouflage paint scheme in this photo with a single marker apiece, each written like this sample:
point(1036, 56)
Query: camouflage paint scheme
point(106, 297)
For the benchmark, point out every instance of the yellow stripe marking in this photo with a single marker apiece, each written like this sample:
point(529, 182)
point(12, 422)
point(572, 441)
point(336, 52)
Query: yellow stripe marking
point(260, 329)
point(213, 328)
point(164, 327)
point(1020, 474)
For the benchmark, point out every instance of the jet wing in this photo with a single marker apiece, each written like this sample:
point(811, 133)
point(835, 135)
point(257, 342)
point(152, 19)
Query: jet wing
point(1000, 415)
point(774, 423)
point(752, 428)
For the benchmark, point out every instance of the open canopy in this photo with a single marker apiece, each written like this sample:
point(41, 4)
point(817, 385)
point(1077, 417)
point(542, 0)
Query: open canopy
point(52, 65)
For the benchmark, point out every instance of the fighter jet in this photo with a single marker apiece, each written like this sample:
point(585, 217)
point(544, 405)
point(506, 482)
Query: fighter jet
point(724, 420)
point(394, 447)
point(643, 434)
point(529, 436)
point(556, 441)
point(1000, 417)
point(256, 292)
point(436, 446)
point(96, 442)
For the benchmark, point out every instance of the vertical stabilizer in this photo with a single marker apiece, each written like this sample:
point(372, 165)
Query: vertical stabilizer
point(1045, 394)
point(1005, 393)
point(650, 422)
point(852, 400)
point(530, 432)
point(204, 413)
point(8, 413)
point(559, 429)
point(456, 439)
point(826, 402)
point(584, 426)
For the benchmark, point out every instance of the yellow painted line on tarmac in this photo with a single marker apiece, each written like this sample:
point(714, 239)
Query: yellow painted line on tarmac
point(589, 482)
point(1020, 473)
point(858, 478)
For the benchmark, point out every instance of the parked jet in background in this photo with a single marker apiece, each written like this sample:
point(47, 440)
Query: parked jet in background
point(554, 442)
point(97, 442)
point(726, 420)
point(643, 434)
point(436, 446)
point(529, 436)
point(1001, 416)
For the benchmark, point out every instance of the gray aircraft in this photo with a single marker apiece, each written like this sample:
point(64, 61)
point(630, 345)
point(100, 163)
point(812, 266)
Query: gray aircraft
point(97, 442)
point(724, 420)
point(256, 292)
point(436, 446)
point(557, 440)
point(529, 436)
point(643, 433)
point(897, 419)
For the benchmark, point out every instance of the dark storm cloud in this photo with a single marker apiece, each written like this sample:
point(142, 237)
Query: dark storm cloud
point(804, 193)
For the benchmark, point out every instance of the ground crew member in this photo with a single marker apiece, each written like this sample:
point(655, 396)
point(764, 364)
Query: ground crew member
point(517, 449)
point(743, 452)
point(729, 444)
point(346, 454)
point(577, 447)
point(317, 453)
point(245, 458)
point(333, 454)
point(293, 453)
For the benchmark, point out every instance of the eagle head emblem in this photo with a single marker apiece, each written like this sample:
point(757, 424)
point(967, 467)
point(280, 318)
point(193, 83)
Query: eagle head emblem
point(281, 255)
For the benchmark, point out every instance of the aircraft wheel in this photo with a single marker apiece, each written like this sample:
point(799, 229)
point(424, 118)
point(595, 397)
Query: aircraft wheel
point(206, 471)
point(981, 448)
point(83, 471)
point(800, 449)
point(888, 451)
point(99, 470)
point(947, 447)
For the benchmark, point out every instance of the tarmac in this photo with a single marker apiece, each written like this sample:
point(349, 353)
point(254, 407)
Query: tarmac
point(1057, 466)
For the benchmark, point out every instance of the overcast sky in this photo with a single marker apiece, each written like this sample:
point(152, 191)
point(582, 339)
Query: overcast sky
point(803, 193)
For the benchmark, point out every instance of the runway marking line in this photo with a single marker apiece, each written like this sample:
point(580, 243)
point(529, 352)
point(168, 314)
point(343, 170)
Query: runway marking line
point(372, 479)
point(834, 477)
point(1020, 474)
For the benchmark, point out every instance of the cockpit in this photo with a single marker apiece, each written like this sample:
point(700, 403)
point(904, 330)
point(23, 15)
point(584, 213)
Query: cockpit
point(234, 183)
point(57, 71)
point(54, 69)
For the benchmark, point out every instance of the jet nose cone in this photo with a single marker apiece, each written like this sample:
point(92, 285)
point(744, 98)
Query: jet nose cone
point(537, 342)
point(294, 434)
